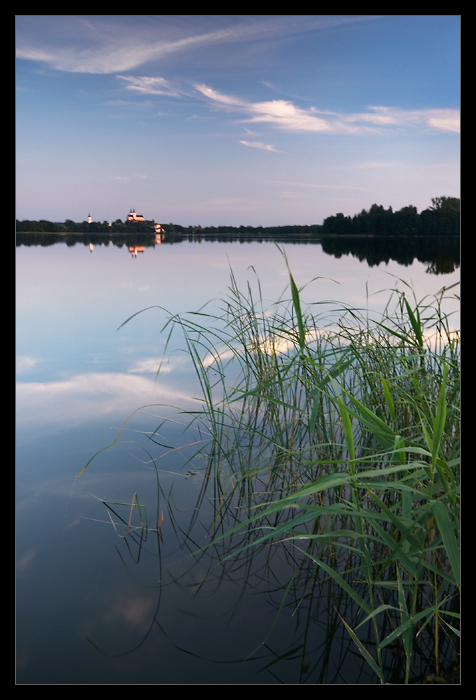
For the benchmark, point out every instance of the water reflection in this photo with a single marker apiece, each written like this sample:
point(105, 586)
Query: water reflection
point(64, 403)
point(440, 254)
point(266, 615)
point(96, 605)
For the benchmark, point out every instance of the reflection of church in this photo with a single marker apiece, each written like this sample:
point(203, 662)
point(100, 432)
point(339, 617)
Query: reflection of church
point(133, 216)
point(134, 249)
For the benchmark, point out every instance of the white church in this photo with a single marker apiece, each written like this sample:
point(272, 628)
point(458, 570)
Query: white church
point(133, 216)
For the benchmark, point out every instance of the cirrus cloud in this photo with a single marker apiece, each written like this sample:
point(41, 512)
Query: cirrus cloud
point(285, 115)
point(146, 85)
point(107, 44)
point(262, 146)
point(440, 119)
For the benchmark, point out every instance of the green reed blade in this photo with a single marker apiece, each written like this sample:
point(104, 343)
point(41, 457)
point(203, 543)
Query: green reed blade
point(450, 542)
point(440, 418)
point(299, 316)
point(348, 434)
point(367, 656)
point(415, 322)
point(339, 431)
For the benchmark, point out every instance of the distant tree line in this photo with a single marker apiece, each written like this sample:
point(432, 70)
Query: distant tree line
point(41, 226)
point(442, 219)
point(288, 230)
point(118, 226)
point(70, 226)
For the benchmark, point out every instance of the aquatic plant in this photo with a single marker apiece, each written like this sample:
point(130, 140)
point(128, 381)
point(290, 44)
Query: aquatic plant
point(339, 431)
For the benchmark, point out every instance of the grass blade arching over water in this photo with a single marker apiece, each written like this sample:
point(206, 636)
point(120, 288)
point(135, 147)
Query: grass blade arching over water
point(343, 431)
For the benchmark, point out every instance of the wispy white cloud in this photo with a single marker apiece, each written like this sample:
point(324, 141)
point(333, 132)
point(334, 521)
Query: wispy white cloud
point(372, 165)
point(280, 113)
point(262, 146)
point(221, 99)
point(112, 44)
point(293, 195)
point(316, 185)
point(117, 49)
point(147, 85)
point(449, 121)
point(25, 363)
point(285, 115)
point(221, 204)
point(126, 178)
point(116, 44)
point(440, 119)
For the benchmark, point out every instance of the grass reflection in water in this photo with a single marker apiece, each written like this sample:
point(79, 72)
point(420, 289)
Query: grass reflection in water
point(328, 442)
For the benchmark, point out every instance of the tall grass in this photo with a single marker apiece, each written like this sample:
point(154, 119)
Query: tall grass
point(340, 431)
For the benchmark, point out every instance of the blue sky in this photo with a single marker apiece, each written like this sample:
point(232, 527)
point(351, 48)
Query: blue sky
point(230, 120)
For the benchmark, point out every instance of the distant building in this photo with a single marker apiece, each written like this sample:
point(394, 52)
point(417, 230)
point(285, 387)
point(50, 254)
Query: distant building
point(132, 216)
point(89, 219)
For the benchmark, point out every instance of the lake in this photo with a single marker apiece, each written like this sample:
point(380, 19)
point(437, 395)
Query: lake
point(154, 606)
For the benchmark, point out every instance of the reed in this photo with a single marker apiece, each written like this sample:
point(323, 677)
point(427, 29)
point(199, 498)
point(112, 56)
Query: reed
point(340, 431)
point(350, 428)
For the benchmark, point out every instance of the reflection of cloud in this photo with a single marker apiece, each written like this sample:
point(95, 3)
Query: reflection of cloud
point(269, 345)
point(150, 365)
point(135, 611)
point(121, 610)
point(85, 397)
point(223, 355)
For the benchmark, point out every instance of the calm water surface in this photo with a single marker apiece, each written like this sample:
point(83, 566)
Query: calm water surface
point(94, 606)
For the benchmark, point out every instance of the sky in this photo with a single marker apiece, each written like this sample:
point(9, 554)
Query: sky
point(253, 120)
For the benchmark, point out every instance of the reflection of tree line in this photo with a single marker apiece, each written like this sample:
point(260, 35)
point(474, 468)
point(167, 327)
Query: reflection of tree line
point(87, 239)
point(441, 254)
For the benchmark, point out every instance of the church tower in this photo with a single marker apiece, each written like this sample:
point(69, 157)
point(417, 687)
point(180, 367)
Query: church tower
point(132, 216)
